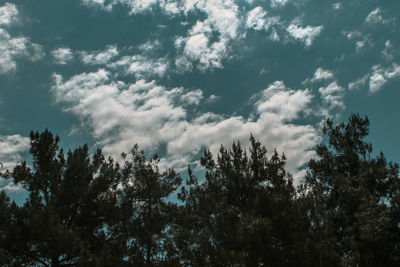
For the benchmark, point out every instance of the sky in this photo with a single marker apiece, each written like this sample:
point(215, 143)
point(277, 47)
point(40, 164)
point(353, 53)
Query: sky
point(177, 77)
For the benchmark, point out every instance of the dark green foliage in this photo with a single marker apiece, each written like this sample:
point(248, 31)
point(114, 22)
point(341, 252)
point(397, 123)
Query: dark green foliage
point(241, 213)
point(352, 200)
point(86, 210)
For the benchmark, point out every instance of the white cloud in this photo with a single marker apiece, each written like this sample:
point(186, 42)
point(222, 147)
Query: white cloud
point(332, 95)
point(135, 6)
point(138, 6)
point(278, 3)
point(135, 113)
point(120, 115)
point(375, 17)
point(222, 15)
point(321, 74)
point(362, 41)
point(304, 34)
point(256, 18)
point(282, 101)
point(150, 46)
point(192, 97)
point(140, 66)
point(199, 47)
point(337, 5)
point(100, 4)
point(376, 81)
point(389, 51)
point(380, 76)
point(62, 55)
point(352, 34)
point(360, 45)
point(11, 146)
point(99, 57)
point(8, 14)
point(358, 83)
point(12, 48)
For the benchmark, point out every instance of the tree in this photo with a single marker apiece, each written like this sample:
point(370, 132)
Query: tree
point(240, 213)
point(146, 212)
point(353, 199)
point(5, 225)
point(62, 221)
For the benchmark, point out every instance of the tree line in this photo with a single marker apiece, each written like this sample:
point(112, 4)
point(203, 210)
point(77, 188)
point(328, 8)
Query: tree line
point(88, 210)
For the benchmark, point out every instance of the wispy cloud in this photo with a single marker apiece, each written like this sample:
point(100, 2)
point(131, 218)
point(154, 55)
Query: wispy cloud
point(100, 57)
point(359, 82)
point(376, 17)
point(140, 66)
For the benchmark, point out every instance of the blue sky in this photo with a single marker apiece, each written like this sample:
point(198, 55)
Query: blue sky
point(178, 76)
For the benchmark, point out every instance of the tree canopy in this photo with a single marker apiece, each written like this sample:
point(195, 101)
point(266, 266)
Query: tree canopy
point(241, 210)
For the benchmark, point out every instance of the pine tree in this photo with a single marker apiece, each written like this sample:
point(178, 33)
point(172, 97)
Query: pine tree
point(239, 213)
point(352, 200)
point(146, 210)
point(63, 219)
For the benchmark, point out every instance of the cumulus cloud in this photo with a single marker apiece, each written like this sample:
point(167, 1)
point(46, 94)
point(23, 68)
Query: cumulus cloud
point(100, 57)
point(321, 74)
point(304, 34)
point(62, 55)
point(198, 50)
point(8, 14)
point(376, 81)
point(199, 47)
point(359, 83)
point(256, 18)
point(120, 115)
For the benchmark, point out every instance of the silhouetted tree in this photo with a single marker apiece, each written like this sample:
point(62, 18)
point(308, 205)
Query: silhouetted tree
point(145, 209)
point(62, 221)
point(240, 213)
point(87, 210)
point(352, 199)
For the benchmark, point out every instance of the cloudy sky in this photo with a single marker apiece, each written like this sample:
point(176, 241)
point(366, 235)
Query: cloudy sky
point(178, 76)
